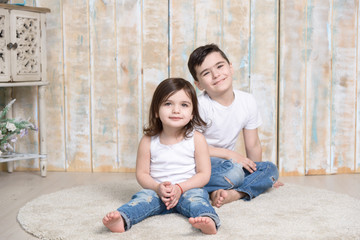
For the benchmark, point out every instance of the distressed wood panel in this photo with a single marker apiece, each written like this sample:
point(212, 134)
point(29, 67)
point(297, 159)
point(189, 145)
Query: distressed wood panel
point(318, 87)
point(357, 149)
point(55, 109)
point(208, 22)
point(292, 87)
point(77, 85)
point(129, 91)
point(264, 71)
point(30, 3)
point(3, 166)
point(182, 36)
point(155, 49)
point(343, 98)
point(103, 86)
point(236, 41)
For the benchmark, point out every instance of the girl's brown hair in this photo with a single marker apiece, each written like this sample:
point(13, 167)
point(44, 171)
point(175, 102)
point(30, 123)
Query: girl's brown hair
point(164, 90)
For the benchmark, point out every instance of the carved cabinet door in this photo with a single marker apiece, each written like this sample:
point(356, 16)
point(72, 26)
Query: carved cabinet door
point(25, 46)
point(4, 40)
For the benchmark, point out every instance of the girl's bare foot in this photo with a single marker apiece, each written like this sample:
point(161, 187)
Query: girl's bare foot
point(222, 196)
point(114, 222)
point(205, 224)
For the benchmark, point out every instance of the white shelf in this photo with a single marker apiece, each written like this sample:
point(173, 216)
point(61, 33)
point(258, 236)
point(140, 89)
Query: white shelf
point(19, 156)
point(23, 84)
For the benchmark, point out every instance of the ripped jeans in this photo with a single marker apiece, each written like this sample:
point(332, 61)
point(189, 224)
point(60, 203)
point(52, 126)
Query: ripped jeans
point(146, 203)
point(228, 175)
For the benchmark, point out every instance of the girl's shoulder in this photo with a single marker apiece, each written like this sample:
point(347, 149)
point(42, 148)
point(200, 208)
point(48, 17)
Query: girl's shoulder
point(145, 140)
point(198, 136)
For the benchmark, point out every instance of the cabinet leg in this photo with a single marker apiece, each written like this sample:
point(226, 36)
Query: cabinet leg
point(8, 94)
point(43, 167)
point(42, 129)
point(10, 167)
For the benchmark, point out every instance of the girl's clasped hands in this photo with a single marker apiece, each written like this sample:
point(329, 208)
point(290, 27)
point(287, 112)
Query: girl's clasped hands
point(169, 193)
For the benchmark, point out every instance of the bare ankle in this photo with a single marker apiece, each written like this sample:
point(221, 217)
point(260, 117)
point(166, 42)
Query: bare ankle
point(242, 195)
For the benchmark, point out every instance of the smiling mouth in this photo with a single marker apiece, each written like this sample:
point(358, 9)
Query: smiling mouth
point(220, 81)
point(175, 118)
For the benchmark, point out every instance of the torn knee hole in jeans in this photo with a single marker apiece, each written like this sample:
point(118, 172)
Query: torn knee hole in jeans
point(228, 180)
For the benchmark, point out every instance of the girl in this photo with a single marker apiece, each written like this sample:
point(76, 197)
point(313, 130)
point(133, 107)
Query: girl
point(172, 165)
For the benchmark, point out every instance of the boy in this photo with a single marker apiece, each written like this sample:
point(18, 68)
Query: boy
point(228, 112)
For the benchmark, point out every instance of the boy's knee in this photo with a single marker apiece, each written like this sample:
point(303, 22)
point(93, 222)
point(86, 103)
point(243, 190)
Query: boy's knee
point(235, 176)
point(274, 171)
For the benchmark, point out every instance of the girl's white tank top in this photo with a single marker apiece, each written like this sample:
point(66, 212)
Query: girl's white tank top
point(174, 163)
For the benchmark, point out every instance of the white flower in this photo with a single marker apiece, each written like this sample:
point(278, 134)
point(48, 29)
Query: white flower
point(10, 126)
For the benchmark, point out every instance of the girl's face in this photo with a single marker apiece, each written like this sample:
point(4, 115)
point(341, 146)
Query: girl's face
point(176, 111)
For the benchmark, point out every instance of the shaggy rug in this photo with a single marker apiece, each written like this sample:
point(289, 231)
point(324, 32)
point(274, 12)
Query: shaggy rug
point(290, 212)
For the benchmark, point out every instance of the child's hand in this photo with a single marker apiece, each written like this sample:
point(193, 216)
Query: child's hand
point(245, 162)
point(165, 192)
point(176, 194)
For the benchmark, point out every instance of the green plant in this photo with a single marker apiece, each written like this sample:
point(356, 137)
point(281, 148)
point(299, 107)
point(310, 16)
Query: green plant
point(12, 129)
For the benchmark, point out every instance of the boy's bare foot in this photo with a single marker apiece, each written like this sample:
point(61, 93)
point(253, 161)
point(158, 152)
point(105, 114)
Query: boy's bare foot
point(205, 224)
point(114, 222)
point(217, 197)
point(278, 184)
point(222, 196)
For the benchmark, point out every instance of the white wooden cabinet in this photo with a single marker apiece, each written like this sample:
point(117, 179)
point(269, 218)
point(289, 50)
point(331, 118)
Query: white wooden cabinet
point(23, 63)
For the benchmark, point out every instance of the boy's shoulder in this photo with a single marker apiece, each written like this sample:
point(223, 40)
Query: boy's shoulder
point(243, 97)
point(203, 99)
point(241, 93)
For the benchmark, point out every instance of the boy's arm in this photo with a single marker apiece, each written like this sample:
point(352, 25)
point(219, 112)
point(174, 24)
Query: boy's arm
point(252, 144)
point(252, 148)
point(234, 156)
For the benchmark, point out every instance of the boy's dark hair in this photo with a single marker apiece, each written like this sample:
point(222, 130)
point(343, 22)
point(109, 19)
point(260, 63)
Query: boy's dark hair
point(197, 57)
point(164, 90)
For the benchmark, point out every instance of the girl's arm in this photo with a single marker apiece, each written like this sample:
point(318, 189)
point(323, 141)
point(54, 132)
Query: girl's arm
point(143, 165)
point(143, 172)
point(202, 162)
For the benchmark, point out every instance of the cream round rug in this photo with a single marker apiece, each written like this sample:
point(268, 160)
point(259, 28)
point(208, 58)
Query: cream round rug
point(290, 212)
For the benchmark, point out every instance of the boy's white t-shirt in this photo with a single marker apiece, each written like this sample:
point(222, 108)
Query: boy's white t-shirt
point(226, 122)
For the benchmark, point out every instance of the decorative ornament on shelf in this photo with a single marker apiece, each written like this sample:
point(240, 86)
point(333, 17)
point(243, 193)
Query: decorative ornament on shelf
point(12, 129)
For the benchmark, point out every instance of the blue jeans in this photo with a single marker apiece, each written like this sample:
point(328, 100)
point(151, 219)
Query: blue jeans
point(146, 203)
point(228, 175)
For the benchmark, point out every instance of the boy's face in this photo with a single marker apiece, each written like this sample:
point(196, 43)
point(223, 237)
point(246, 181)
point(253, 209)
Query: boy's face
point(214, 75)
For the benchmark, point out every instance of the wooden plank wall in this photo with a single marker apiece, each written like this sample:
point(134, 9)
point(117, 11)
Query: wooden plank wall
point(298, 57)
point(319, 87)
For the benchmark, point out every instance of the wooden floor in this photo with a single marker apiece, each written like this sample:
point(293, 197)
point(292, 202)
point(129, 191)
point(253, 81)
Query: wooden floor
point(20, 187)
